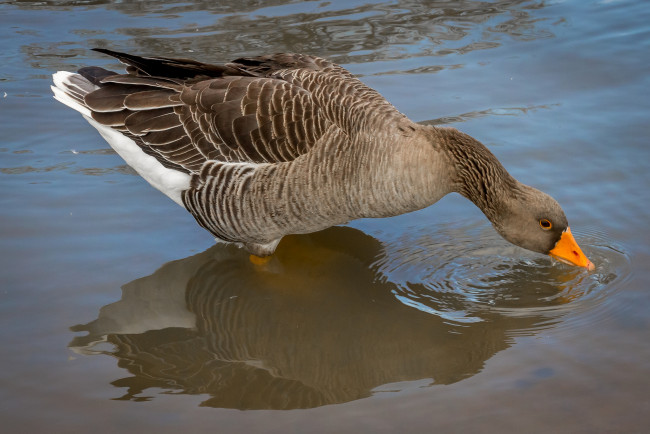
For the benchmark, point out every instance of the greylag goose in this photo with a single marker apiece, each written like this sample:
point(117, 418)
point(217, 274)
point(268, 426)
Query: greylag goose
point(266, 146)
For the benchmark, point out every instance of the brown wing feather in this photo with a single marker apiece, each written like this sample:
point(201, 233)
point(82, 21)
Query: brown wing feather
point(343, 99)
point(257, 119)
point(262, 109)
point(146, 112)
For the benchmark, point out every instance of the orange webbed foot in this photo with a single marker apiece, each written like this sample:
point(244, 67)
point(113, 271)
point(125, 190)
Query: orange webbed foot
point(259, 260)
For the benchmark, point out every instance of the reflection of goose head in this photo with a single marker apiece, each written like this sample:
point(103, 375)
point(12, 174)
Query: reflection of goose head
point(326, 329)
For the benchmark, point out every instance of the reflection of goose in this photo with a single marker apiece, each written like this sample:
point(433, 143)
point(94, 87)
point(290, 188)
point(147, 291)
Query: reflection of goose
point(326, 329)
point(268, 146)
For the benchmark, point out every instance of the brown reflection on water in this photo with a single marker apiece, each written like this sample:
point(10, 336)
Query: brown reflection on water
point(316, 326)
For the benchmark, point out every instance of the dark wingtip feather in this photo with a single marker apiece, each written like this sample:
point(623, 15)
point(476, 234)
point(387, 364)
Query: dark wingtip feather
point(142, 64)
point(112, 53)
point(104, 50)
point(125, 58)
point(95, 74)
point(168, 67)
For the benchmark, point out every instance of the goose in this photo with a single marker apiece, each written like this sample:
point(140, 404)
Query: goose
point(262, 147)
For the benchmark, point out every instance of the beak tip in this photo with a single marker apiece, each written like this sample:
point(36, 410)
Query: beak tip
point(567, 250)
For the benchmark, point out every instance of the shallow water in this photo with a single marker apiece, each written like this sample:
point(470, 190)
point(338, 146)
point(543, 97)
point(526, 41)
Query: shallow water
point(119, 312)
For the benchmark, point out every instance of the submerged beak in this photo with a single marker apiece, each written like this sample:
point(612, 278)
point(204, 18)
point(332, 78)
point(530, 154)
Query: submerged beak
point(568, 251)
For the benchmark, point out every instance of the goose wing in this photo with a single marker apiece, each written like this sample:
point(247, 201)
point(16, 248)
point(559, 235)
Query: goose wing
point(266, 109)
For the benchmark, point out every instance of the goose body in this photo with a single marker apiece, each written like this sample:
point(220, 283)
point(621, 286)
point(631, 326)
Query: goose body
point(267, 146)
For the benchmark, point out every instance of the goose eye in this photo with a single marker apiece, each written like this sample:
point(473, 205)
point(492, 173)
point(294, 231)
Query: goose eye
point(545, 224)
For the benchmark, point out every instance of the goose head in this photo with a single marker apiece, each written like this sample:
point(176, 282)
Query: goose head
point(532, 219)
point(521, 214)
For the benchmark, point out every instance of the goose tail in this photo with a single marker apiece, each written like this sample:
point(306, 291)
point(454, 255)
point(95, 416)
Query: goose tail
point(71, 88)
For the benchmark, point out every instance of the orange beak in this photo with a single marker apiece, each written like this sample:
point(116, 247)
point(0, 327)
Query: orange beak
point(568, 251)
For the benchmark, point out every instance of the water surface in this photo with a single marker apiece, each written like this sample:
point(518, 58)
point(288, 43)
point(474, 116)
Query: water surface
point(120, 313)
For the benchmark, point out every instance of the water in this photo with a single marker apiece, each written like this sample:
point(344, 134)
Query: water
point(119, 312)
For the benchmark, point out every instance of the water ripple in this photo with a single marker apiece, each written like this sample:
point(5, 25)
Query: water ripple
point(466, 273)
